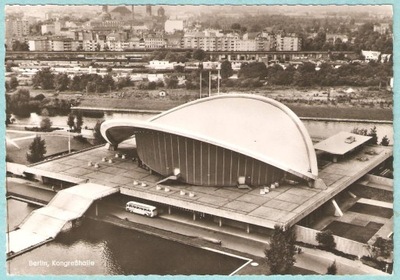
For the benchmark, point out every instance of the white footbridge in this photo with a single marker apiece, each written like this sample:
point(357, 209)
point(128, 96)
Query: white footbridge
point(43, 224)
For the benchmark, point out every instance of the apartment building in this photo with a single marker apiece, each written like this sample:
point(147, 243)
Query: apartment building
point(288, 43)
point(16, 28)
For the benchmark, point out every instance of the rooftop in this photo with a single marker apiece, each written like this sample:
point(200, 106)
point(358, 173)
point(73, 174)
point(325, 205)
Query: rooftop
point(255, 126)
point(341, 143)
point(286, 204)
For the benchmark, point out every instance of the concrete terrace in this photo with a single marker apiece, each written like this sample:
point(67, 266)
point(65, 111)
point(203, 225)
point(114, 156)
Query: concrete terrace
point(284, 205)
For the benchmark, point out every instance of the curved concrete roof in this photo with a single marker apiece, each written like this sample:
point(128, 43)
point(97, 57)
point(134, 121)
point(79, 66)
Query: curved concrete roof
point(252, 125)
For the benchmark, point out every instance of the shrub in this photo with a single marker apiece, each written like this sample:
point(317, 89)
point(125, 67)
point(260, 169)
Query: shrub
point(332, 269)
point(45, 124)
point(385, 141)
point(326, 240)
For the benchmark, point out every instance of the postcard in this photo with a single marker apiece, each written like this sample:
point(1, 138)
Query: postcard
point(221, 139)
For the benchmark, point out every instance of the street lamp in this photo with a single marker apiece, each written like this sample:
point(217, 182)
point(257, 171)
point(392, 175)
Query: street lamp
point(69, 141)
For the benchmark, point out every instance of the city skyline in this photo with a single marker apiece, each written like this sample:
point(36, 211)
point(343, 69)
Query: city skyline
point(39, 11)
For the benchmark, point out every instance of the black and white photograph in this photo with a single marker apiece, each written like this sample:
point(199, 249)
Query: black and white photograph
point(160, 139)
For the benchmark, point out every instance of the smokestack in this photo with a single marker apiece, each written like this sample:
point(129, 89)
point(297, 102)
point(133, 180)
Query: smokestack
point(105, 8)
point(148, 10)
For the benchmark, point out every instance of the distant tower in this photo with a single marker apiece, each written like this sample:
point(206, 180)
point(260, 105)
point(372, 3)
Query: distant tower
point(133, 12)
point(161, 12)
point(148, 10)
point(105, 9)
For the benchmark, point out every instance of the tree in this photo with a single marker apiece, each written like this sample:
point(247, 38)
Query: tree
point(170, 56)
point(45, 112)
point(13, 83)
point(332, 269)
point(280, 255)
point(171, 81)
point(61, 82)
point(19, 103)
point(199, 54)
point(374, 135)
point(43, 78)
point(226, 69)
point(326, 240)
point(385, 141)
point(37, 150)
point(235, 26)
point(97, 134)
point(255, 28)
point(382, 248)
point(108, 82)
point(45, 124)
point(253, 70)
point(71, 121)
point(18, 46)
point(79, 122)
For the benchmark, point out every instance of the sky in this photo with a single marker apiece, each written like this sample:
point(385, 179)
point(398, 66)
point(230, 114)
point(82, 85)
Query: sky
point(40, 10)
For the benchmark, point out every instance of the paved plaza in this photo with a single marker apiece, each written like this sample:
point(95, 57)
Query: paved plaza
point(285, 205)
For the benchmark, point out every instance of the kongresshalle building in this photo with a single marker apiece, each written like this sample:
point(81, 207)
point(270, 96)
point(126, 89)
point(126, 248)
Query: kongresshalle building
point(224, 141)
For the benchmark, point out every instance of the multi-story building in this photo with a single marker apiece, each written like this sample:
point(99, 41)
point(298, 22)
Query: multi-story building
point(61, 44)
point(93, 45)
point(210, 41)
point(55, 43)
point(288, 42)
point(16, 28)
point(48, 29)
point(154, 41)
point(39, 44)
point(173, 41)
point(246, 45)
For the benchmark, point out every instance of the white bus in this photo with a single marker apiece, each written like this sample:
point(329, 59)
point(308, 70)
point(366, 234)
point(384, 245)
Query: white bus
point(141, 208)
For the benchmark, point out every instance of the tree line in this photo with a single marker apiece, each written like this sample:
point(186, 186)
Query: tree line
point(21, 103)
point(351, 74)
point(251, 75)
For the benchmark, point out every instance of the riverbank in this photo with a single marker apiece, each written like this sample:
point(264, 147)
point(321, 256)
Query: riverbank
point(156, 104)
point(362, 103)
point(239, 244)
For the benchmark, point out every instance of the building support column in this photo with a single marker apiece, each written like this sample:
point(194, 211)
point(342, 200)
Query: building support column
point(220, 222)
point(111, 147)
point(248, 228)
point(194, 216)
point(338, 211)
point(96, 209)
point(169, 210)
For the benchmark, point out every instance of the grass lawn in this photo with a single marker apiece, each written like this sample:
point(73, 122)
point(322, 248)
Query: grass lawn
point(371, 193)
point(149, 100)
point(138, 104)
point(342, 112)
point(372, 210)
point(354, 232)
point(54, 144)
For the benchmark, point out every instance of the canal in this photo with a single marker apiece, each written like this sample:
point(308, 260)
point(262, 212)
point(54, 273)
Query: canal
point(100, 248)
